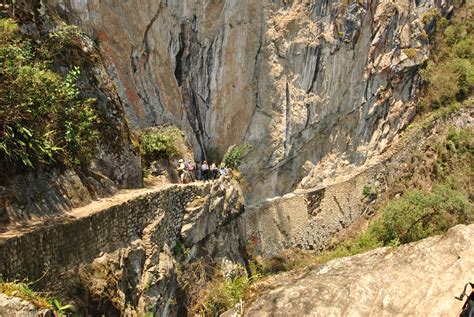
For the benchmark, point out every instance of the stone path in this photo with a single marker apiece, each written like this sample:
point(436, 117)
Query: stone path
point(89, 209)
point(410, 140)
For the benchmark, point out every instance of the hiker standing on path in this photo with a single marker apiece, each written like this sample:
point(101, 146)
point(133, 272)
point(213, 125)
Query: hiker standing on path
point(213, 169)
point(181, 170)
point(223, 170)
point(205, 171)
point(191, 168)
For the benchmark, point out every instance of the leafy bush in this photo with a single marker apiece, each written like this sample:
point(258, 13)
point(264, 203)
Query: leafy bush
point(419, 214)
point(223, 294)
point(43, 119)
point(160, 143)
point(235, 155)
point(364, 242)
point(209, 292)
point(66, 35)
point(367, 190)
point(449, 73)
point(414, 216)
point(461, 139)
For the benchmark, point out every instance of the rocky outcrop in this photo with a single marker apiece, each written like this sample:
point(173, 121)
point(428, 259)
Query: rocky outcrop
point(418, 279)
point(319, 87)
point(133, 280)
point(142, 276)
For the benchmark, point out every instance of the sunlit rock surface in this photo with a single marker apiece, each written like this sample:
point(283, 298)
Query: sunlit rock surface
point(418, 279)
point(318, 87)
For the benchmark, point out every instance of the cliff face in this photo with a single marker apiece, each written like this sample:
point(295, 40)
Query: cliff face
point(317, 87)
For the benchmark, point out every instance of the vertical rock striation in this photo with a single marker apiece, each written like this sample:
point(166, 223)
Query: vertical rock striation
point(318, 86)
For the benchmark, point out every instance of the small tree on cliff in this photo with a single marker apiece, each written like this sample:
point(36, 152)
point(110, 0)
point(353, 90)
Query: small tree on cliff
point(236, 154)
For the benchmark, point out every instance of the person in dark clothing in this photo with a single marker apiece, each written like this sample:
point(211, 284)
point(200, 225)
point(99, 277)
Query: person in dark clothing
point(213, 169)
point(198, 171)
point(205, 171)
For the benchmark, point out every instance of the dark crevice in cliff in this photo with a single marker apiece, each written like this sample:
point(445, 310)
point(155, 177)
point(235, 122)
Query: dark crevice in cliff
point(256, 74)
point(287, 119)
point(308, 116)
point(316, 68)
point(209, 62)
point(366, 90)
point(185, 60)
point(146, 48)
point(140, 61)
point(178, 72)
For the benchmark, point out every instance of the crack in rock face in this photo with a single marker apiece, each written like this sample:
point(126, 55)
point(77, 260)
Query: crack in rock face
point(318, 87)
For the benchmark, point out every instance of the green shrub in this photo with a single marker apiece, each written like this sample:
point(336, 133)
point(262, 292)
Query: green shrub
point(224, 294)
point(180, 250)
point(449, 73)
point(367, 190)
point(364, 242)
point(66, 35)
point(157, 143)
point(461, 139)
point(414, 216)
point(43, 119)
point(418, 214)
point(235, 155)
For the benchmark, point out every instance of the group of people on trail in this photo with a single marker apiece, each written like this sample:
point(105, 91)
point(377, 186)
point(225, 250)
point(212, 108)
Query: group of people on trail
point(189, 171)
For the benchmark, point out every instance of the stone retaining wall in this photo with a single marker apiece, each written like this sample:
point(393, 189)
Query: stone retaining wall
point(59, 248)
point(310, 220)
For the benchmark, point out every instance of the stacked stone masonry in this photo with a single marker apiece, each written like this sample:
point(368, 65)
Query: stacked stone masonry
point(58, 249)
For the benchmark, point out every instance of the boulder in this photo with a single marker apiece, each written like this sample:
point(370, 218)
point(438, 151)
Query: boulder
point(417, 279)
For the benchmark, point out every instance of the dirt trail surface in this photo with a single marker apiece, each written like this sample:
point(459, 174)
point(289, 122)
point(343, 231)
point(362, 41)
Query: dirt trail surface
point(92, 208)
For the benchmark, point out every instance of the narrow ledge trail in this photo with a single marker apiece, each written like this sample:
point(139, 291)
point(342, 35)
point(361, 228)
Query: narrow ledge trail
point(94, 207)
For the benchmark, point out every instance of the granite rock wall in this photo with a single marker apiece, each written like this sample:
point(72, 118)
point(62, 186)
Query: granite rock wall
point(318, 87)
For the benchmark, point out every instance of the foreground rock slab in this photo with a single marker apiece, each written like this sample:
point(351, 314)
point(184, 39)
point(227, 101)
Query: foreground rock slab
point(17, 307)
point(418, 279)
